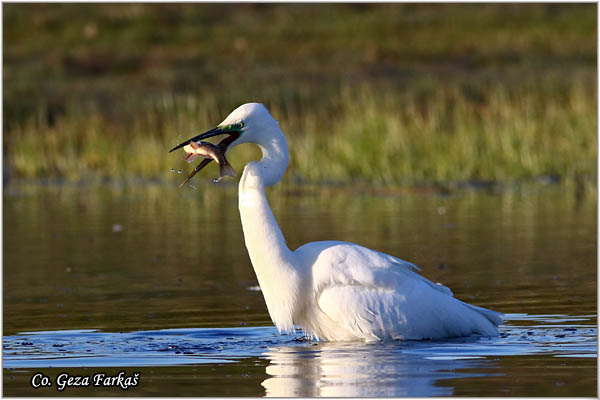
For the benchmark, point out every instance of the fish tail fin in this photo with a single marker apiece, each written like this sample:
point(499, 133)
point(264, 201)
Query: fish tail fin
point(227, 169)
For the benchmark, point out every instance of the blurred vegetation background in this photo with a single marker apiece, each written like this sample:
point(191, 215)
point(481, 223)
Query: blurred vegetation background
point(389, 94)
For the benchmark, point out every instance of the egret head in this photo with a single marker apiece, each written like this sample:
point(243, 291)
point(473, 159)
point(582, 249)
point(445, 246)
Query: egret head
point(254, 119)
point(242, 125)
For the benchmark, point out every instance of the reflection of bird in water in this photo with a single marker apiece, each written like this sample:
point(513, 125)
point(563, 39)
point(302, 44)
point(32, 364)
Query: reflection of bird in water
point(360, 370)
point(335, 291)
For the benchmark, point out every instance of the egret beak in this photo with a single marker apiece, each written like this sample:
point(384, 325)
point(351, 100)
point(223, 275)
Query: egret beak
point(223, 145)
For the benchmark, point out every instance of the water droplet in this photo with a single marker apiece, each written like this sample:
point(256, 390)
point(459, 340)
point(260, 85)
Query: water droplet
point(179, 171)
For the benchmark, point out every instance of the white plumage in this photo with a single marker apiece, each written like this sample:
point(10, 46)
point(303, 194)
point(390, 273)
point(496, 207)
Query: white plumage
point(337, 291)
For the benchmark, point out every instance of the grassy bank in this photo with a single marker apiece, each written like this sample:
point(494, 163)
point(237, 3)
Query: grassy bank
point(390, 94)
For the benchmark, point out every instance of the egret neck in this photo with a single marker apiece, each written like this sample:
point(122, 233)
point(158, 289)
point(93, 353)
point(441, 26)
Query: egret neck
point(272, 260)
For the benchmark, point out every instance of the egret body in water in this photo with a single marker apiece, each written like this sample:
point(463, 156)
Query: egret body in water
point(336, 291)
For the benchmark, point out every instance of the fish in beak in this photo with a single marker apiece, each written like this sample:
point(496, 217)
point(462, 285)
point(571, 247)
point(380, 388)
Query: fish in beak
point(232, 131)
point(209, 150)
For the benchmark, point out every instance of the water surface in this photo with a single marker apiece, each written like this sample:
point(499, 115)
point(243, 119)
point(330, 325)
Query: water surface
point(156, 280)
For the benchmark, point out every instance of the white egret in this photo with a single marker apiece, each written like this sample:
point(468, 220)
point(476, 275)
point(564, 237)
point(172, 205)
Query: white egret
point(335, 291)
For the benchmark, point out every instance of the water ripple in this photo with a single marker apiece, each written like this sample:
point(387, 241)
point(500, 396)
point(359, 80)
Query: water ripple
point(301, 367)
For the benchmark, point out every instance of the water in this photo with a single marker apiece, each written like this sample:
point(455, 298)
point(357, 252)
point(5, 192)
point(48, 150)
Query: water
point(171, 293)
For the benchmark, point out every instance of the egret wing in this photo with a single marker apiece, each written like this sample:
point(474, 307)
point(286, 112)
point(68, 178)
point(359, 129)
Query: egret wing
point(415, 312)
point(342, 263)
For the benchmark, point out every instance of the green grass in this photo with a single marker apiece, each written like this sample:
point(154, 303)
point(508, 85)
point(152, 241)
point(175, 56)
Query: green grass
point(386, 94)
